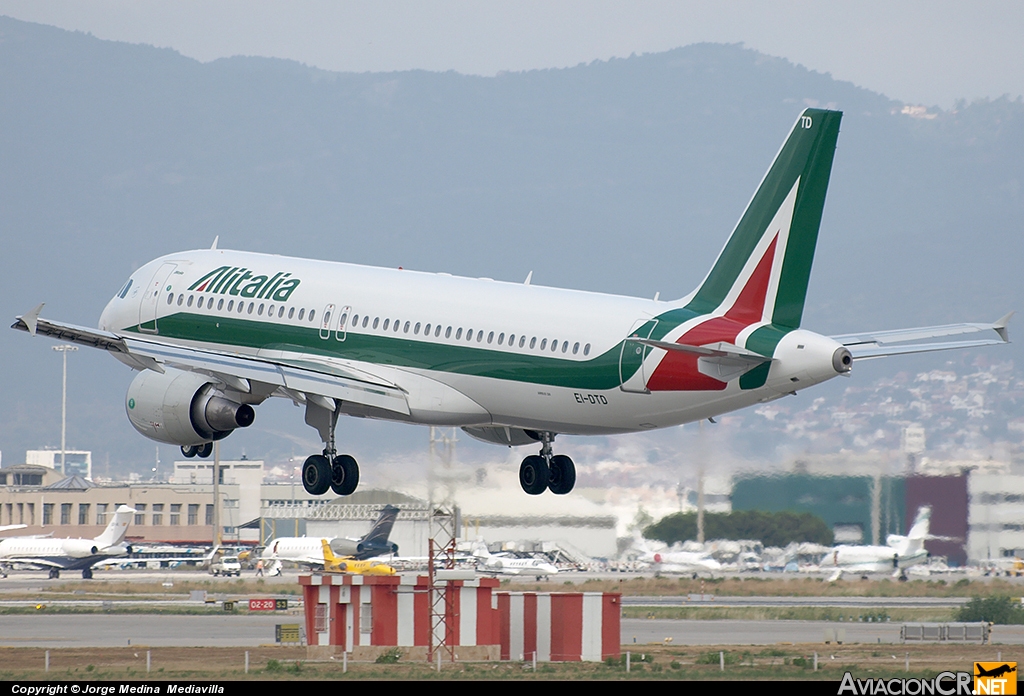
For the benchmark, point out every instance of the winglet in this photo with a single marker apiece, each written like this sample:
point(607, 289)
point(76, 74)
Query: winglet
point(999, 326)
point(30, 319)
point(215, 240)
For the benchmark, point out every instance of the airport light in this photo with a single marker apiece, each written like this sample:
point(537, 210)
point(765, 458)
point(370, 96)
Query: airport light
point(63, 349)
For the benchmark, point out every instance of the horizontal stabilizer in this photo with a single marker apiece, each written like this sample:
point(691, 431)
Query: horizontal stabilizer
point(897, 342)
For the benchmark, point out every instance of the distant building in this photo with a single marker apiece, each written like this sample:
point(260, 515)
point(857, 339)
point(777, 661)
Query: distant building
point(845, 503)
point(76, 462)
point(996, 508)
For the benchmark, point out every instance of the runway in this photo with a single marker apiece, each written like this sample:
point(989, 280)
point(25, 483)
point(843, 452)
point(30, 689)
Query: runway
point(106, 630)
point(728, 632)
point(842, 602)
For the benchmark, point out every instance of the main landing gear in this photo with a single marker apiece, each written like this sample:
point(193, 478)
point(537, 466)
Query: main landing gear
point(330, 470)
point(202, 451)
point(545, 471)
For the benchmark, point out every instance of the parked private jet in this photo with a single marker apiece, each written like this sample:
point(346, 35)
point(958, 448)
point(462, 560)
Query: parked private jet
point(214, 333)
point(899, 553)
point(309, 551)
point(69, 554)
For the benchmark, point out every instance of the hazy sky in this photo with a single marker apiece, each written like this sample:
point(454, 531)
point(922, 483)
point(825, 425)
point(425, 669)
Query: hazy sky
point(922, 52)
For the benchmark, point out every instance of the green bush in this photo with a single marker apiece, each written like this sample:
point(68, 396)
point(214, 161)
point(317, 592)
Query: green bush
point(389, 657)
point(770, 528)
point(997, 610)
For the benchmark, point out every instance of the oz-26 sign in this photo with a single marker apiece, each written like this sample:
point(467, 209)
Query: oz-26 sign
point(268, 604)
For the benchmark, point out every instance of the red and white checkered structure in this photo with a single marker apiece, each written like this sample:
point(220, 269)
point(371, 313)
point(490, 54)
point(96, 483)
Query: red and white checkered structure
point(560, 626)
point(360, 614)
point(347, 611)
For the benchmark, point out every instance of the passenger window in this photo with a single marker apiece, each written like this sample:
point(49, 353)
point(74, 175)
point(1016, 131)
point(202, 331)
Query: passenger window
point(576, 348)
point(416, 331)
point(522, 341)
point(533, 342)
point(270, 312)
point(469, 334)
point(312, 313)
point(231, 305)
point(170, 298)
point(554, 345)
point(260, 310)
point(291, 313)
point(480, 336)
point(458, 334)
point(181, 298)
point(280, 312)
point(366, 320)
point(511, 339)
point(448, 332)
point(387, 322)
point(344, 321)
point(355, 320)
point(252, 305)
point(199, 302)
point(398, 324)
point(437, 331)
point(490, 337)
point(543, 344)
point(426, 330)
point(189, 303)
point(407, 327)
point(301, 312)
point(376, 320)
point(327, 318)
point(586, 349)
point(501, 339)
point(220, 304)
point(565, 346)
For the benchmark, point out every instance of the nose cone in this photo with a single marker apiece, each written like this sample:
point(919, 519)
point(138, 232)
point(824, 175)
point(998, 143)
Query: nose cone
point(108, 315)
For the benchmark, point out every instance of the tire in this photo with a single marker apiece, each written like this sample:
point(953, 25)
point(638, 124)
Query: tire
point(204, 450)
point(561, 475)
point(87, 573)
point(316, 474)
point(189, 451)
point(344, 475)
point(533, 475)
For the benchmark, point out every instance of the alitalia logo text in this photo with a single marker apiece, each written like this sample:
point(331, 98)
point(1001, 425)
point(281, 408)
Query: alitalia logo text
point(233, 280)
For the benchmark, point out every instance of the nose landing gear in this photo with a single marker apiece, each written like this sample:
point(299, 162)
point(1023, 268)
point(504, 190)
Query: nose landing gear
point(555, 473)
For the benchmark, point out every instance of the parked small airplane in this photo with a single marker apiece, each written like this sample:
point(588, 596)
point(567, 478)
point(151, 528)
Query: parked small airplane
point(349, 565)
point(308, 551)
point(899, 553)
point(502, 564)
point(69, 554)
point(676, 562)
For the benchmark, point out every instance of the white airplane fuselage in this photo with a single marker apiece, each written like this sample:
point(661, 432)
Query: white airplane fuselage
point(577, 388)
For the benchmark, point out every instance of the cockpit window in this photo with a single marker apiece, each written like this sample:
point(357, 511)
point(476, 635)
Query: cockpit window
point(124, 290)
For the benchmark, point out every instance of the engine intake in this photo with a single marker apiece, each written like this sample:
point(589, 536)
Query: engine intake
point(183, 408)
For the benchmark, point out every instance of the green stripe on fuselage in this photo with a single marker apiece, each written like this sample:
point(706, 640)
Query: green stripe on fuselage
point(599, 372)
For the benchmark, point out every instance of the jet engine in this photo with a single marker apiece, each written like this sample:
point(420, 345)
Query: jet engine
point(183, 408)
point(80, 548)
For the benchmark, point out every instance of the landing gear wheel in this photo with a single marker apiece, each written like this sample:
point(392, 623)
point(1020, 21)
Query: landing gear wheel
point(87, 573)
point(316, 474)
point(204, 450)
point(561, 474)
point(344, 475)
point(189, 451)
point(54, 573)
point(533, 475)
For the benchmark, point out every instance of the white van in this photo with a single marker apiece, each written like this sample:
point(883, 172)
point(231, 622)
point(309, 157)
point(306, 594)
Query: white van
point(226, 565)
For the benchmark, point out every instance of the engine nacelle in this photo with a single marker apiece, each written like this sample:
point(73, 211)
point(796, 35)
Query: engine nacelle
point(182, 408)
point(80, 548)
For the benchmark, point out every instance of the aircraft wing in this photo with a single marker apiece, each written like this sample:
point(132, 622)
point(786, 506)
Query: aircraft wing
point(878, 344)
point(292, 377)
point(721, 360)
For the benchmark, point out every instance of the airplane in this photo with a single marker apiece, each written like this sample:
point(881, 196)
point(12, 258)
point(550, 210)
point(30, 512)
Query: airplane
point(309, 551)
point(346, 564)
point(899, 553)
point(500, 564)
point(69, 554)
point(213, 333)
point(673, 562)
